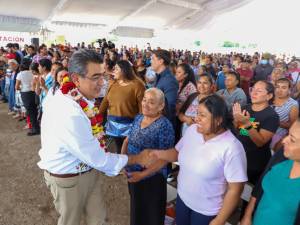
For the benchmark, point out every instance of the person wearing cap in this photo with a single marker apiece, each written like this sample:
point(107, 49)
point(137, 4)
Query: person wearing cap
point(263, 69)
point(165, 81)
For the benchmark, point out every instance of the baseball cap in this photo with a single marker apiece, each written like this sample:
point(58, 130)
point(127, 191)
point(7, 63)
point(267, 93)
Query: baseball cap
point(13, 61)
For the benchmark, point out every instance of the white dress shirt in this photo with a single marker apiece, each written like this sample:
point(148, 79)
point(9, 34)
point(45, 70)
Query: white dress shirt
point(68, 145)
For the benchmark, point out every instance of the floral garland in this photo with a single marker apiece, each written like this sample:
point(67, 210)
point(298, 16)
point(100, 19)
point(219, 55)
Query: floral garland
point(68, 88)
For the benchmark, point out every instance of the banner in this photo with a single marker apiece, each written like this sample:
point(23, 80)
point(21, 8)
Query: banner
point(14, 37)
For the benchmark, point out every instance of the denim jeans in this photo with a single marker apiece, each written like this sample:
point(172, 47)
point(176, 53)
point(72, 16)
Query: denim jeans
point(4, 90)
point(187, 216)
point(11, 96)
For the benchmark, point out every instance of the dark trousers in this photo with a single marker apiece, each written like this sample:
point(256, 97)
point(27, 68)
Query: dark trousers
point(2, 88)
point(28, 99)
point(253, 177)
point(187, 216)
point(148, 201)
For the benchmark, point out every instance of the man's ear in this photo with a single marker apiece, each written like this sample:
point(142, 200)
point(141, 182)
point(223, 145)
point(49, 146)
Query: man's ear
point(75, 79)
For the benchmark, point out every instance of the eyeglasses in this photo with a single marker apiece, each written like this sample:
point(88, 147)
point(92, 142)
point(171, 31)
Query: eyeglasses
point(259, 91)
point(95, 78)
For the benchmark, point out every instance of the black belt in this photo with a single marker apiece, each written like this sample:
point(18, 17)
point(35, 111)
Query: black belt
point(68, 174)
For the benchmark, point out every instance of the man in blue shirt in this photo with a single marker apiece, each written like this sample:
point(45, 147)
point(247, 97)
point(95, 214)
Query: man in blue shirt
point(220, 81)
point(165, 81)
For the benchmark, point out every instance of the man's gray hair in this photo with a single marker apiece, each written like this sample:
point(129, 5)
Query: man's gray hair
point(158, 94)
point(80, 59)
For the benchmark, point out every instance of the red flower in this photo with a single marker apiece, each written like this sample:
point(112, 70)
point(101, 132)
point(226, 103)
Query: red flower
point(93, 121)
point(83, 104)
point(67, 87)
point(99, 118)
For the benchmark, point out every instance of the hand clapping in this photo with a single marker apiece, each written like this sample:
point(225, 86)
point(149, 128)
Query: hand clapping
point(42, 82)
point(241, 117)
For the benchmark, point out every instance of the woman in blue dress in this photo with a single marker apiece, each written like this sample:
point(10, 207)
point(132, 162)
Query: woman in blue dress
point(147, 187)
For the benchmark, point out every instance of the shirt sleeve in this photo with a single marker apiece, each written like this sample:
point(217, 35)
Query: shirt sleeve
point(170, 90)
point(140, 95)
point(235, 163)
point(19, 75)
point(104, 104)
point(241, 98)
point(82, 144)
point(219, 92)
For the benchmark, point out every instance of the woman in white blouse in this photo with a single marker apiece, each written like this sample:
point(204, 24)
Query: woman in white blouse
point(212, 167)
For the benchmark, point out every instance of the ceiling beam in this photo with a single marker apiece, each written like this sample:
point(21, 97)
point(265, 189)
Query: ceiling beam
point(182, 3)
point(54, 11)
point(135, 12)
point(77, 24)
point(182, 19)
point(138, 10)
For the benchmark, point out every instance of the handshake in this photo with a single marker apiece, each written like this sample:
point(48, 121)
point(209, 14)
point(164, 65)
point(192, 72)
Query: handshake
point(149, 160)
point(146, 158)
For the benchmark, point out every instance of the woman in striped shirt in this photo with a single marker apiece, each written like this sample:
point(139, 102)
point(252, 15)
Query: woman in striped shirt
point(286, 108)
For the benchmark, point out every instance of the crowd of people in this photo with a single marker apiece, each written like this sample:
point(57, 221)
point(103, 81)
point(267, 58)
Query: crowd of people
point(221, 116)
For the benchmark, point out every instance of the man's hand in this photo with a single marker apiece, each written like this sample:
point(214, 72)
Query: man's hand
point(144, 159)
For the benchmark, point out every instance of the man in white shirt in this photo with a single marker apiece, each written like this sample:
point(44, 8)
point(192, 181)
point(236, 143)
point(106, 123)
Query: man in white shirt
point(69, 150)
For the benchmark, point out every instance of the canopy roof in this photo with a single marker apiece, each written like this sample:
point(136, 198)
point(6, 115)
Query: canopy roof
point(31, 15)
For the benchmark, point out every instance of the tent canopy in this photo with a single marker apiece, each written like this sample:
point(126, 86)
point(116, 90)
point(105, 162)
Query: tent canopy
point(31, 15)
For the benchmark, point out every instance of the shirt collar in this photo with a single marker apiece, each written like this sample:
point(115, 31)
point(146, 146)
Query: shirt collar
point(220, 137)
point(166, 71)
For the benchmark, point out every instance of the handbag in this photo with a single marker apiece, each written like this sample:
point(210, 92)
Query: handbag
point(118, 126)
